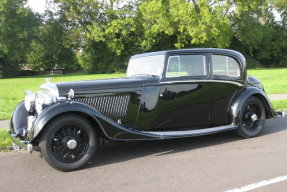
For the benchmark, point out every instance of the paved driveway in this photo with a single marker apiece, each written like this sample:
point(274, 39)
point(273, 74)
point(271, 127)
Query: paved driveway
point(4, 124)
point(217, 162)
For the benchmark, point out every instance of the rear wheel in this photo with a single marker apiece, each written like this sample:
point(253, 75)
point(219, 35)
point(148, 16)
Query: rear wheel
point(252, 118)
point(68, 142)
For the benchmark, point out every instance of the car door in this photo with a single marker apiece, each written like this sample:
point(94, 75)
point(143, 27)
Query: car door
point(184, 100)
point(227, 80)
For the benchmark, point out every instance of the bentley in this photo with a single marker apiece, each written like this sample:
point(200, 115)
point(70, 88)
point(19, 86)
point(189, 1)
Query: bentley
point(165, 95)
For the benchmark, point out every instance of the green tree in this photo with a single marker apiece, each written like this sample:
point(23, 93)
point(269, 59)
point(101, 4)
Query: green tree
point(111, 31)
point(51, 48)
point(105, 32)
point(108, 32)
point(257, 34)
point(200, 23)
point(17, 28)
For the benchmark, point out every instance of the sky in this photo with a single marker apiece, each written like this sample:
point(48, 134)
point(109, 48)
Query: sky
point(37, 5)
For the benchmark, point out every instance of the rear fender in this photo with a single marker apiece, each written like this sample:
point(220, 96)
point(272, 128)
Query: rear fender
point(244, 95)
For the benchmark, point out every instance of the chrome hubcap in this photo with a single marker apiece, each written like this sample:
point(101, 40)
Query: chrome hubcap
point(251, 117)
point(254, 117)
point(72, 144)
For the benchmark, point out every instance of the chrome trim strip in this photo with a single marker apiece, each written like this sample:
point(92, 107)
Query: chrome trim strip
point(190, 133)
point(195, 81)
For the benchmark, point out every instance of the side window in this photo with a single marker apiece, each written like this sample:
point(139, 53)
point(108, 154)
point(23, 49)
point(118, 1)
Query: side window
point(186, 65)
point(225, 66)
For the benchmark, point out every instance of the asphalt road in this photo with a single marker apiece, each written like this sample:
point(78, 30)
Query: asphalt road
point(213, 163)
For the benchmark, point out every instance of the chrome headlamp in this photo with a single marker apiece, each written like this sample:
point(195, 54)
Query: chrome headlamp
point(42, 100)
point(29, 100)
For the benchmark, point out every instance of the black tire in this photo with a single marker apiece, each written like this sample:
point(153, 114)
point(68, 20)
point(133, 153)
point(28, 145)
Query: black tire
point(247, 127)
point(68, 142)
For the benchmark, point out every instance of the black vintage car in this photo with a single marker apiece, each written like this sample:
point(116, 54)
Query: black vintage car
point(166, 94)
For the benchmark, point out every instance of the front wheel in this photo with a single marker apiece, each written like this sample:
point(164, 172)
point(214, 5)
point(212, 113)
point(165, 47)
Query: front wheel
point(68, 142)
point(251, 118)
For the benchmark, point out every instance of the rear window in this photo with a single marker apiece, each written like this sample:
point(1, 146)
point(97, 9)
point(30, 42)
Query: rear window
point(225, 66)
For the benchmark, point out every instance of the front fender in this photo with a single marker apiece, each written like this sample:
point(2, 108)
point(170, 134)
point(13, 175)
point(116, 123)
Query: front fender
point(109, 128)
point(18, 122)
point(244, 95)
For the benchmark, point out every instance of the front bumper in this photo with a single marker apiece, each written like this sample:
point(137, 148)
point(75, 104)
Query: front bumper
point(281, 113)
point(19, 144)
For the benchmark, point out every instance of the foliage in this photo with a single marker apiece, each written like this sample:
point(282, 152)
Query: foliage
point(105, 33)
point(257, 34)
point(101, 35)
point(51, 49)
point(114, 30)
point(17, 25)
point(198, 23)
point(5, 142)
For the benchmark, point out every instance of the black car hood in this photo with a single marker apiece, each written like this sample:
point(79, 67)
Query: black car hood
point(104, 84)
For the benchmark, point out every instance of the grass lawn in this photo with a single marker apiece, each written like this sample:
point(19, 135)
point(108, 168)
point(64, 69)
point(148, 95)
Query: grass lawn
point(280, 105)
point(274, 80)
point(12, 90)
point(5, 142)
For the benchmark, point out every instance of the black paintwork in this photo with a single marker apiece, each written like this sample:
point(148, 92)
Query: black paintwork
point(110, 129)
point(157, 104)
point(183, 105)
point(19, 119)
point(106, 86)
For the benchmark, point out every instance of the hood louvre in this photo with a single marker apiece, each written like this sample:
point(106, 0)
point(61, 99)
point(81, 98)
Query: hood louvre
point(113, 106)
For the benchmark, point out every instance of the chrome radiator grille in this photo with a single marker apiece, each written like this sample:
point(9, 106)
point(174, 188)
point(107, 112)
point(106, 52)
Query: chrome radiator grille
point(113, 106)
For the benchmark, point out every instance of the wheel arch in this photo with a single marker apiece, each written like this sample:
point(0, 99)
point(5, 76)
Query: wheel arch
point(246, 94)
point(95, 124)
point(107, 127)
point(270, 112)
point(62, 109)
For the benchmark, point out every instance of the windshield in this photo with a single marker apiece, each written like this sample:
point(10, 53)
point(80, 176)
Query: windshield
point(148, 65)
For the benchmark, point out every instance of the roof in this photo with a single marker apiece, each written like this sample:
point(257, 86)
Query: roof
point(197, 50)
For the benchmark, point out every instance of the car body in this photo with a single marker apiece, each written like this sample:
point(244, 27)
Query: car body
point(166, 94)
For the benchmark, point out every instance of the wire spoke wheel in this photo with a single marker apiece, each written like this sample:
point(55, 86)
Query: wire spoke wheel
point(68, 142)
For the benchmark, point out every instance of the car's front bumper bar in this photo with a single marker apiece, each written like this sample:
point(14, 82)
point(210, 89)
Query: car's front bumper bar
point(20, 144)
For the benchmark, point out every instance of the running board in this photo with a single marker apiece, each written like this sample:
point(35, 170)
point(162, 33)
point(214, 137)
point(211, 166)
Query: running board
point(189, 133)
